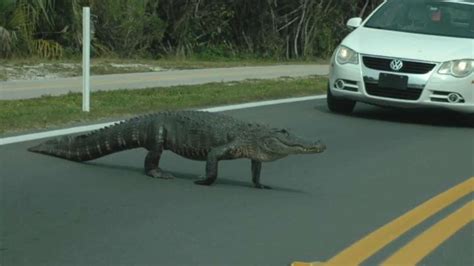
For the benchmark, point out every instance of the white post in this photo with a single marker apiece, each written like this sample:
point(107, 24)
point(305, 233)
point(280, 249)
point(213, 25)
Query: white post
point(86, 39)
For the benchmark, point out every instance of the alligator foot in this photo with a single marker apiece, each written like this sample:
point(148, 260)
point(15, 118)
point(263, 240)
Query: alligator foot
point(204, 182)
point(260, 186)
point(158, 173)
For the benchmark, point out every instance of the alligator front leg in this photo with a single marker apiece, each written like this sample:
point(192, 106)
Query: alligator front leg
point(213, 158)
point(256, 169)
point(152, 159)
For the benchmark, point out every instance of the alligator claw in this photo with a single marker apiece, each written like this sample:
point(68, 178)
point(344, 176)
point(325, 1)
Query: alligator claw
point(260, 186)
point(203, 182)
point(157, 173)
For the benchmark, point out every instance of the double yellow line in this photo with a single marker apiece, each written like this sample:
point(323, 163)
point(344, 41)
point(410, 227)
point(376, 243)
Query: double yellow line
point(422, 245)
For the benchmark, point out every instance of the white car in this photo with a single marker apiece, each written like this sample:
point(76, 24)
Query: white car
point(407, 53)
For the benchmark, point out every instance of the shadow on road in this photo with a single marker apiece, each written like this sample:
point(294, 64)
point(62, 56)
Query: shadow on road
point(431, 117)
point(191, 177)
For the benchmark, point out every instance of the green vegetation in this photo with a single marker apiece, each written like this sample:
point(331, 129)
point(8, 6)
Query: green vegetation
point(18, 69)
point(3, 75)
point(194, 62)
point(47, 112)
point(204, 29)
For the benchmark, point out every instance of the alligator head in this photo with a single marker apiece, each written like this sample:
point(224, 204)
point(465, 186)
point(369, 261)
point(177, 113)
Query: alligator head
point(278, 143)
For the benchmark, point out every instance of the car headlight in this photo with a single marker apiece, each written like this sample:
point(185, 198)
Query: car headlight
point(457, 68)
point(346, 55)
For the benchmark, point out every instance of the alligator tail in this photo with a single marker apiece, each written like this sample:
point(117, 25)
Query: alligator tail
point(60, 147)
point(98, 143)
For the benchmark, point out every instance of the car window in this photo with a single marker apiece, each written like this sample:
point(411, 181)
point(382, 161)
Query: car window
point(435, 17)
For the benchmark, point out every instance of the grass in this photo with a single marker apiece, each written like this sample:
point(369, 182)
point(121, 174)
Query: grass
point(191, 63)
point(170, 62)
point(49, 112)
point(3, 75)
point(25, 68)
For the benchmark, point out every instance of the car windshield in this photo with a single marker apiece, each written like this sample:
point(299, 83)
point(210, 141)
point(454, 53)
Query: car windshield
point(453, 18)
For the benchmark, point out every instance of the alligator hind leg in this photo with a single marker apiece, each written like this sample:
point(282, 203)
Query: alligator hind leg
point(152, 159)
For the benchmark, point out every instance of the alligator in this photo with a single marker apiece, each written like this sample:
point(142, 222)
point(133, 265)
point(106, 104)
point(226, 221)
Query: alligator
point(196, 135)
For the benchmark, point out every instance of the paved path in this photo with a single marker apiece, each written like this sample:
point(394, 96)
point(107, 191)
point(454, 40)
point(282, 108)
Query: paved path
point(36, 88)
point(380, 164)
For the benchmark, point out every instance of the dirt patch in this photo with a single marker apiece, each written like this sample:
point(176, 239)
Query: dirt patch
point(11, 72)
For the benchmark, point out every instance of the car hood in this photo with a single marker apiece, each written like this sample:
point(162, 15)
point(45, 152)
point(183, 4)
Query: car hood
point(409, 45)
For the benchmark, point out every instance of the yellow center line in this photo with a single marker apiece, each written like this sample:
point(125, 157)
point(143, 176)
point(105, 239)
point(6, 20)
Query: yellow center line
point(426, 242)
point(373, 242)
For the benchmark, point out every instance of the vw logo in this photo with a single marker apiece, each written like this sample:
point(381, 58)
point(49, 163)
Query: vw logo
point(396, 64)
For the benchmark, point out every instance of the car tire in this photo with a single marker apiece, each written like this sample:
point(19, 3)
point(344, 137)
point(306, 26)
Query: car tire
point(339, 105)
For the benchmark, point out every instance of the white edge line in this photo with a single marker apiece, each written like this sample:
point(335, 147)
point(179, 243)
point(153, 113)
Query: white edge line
point(262, 103)
point(66, 131)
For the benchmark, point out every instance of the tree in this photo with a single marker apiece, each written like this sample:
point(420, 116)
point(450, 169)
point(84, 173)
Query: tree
point(152, 28)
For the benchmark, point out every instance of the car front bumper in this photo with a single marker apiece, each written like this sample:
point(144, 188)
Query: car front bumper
point(430, 90)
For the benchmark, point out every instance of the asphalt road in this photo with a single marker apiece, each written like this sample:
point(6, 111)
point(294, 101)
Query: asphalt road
point(380, 163)
point(36, 88)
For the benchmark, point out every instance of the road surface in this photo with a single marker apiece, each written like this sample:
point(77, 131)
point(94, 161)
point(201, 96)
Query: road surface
point(36, 88)
point(380, 164)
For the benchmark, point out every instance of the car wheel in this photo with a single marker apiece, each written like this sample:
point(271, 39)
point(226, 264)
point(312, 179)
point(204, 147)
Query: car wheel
point(339, 105)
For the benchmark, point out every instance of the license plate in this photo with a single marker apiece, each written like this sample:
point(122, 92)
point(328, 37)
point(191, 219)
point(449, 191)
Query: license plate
point(393, 81)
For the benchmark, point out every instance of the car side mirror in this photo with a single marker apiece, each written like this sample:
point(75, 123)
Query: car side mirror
point(354, 22)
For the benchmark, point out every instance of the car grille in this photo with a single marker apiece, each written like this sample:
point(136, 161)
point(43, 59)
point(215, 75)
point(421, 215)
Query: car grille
point(408, 66)
point(408, 94)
